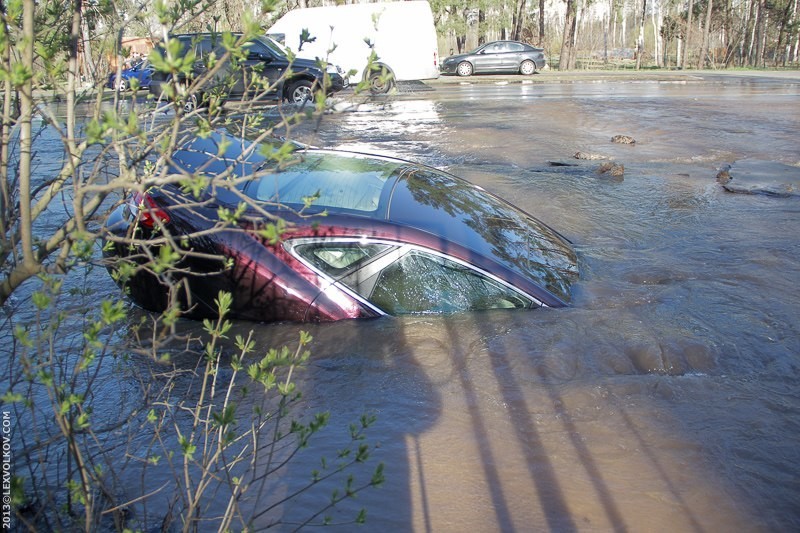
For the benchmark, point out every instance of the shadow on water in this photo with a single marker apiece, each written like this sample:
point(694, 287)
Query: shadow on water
point(635, 409)
point(664, 399)
point(356, 368)
point(540, 470)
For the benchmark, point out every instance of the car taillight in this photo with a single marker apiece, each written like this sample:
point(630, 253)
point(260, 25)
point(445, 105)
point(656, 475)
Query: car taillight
point(149, 212)
point(435, 58)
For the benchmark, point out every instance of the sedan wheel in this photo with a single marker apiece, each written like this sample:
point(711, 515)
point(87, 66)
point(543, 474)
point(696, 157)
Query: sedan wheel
point(527, 68)
point(464, 68)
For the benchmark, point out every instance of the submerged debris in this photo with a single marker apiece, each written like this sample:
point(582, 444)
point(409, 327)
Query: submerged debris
point(614, 170)
point(623, 139)
point(589, 156)
point(760, 177)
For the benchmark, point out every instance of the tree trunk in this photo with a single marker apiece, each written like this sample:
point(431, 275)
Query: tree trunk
point(26, 139)
point(519, 20)
point(706, 30)
point(796, 31)
point(760, 34)
point(567, 61)
point(688, 32)
point(541, 23)
point(658, 40)
point(481, 27)
point(623, 41)
point(640, 40)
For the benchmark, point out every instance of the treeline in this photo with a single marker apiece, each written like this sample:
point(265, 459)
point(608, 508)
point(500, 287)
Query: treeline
point(574, 33)
point(663, 33)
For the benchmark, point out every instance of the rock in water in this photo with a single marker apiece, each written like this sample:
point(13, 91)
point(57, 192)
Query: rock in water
point(760, 177)
point(615, 170)
point(589, 156)
point(623, 139)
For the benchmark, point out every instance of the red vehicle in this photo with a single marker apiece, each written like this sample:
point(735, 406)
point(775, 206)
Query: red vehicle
point(365, 236)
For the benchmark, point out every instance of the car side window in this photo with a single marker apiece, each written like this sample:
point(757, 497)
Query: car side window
point(515, 47)
point(420, 282)
point(494, 48)
point(257, 50)
point(202, 47)
point(338, 258)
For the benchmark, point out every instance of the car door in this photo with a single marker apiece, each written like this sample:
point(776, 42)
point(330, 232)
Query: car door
point(145, 73)
point(261, 71)
point(513, 57)
point(490, 58)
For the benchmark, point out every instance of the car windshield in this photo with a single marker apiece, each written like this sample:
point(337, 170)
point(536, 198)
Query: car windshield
point(276, 48)
point(491, 227)
point(329, 181)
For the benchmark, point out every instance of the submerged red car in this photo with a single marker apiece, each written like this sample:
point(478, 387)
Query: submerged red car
point(365, 236)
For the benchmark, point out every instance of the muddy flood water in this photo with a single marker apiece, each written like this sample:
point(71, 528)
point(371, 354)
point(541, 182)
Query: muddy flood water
point(665, 398)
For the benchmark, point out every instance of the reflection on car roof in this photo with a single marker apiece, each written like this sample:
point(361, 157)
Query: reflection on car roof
point(350, 182)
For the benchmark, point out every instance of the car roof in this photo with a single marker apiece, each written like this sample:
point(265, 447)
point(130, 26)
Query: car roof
point(368, 191)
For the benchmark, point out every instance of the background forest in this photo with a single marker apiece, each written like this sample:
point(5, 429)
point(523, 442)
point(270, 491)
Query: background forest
point(574, 33)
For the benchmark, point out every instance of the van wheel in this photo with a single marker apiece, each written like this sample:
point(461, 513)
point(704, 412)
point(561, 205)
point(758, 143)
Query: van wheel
point(381, 80)
point(464, 68)
point(300, 92)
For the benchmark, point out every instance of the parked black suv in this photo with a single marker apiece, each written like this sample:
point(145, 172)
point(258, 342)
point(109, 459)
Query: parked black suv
point(295, 81)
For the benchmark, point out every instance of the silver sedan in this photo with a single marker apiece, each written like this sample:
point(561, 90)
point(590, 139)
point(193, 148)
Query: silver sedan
point(497, 57)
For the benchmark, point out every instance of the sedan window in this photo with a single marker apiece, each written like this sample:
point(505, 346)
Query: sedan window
point(495, 48)
point(336, 258)
point(420, 282)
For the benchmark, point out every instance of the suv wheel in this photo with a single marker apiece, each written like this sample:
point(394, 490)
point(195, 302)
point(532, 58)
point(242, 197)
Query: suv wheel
point(300, 92)
point(190, 104)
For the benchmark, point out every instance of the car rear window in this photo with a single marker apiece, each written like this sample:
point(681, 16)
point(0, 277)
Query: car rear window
point(329, 181)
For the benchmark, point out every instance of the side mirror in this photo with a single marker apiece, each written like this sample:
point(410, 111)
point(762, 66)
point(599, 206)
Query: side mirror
point(259, 56)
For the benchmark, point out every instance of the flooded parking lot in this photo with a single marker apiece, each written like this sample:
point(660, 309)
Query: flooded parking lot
point(665, 398)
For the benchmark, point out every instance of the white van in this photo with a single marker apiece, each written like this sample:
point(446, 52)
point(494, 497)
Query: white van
point(402, 35)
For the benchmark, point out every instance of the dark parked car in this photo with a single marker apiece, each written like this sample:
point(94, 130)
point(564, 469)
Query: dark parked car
point(141, 71)
point(294, 80)
point(397, 238)
point(497, 57)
